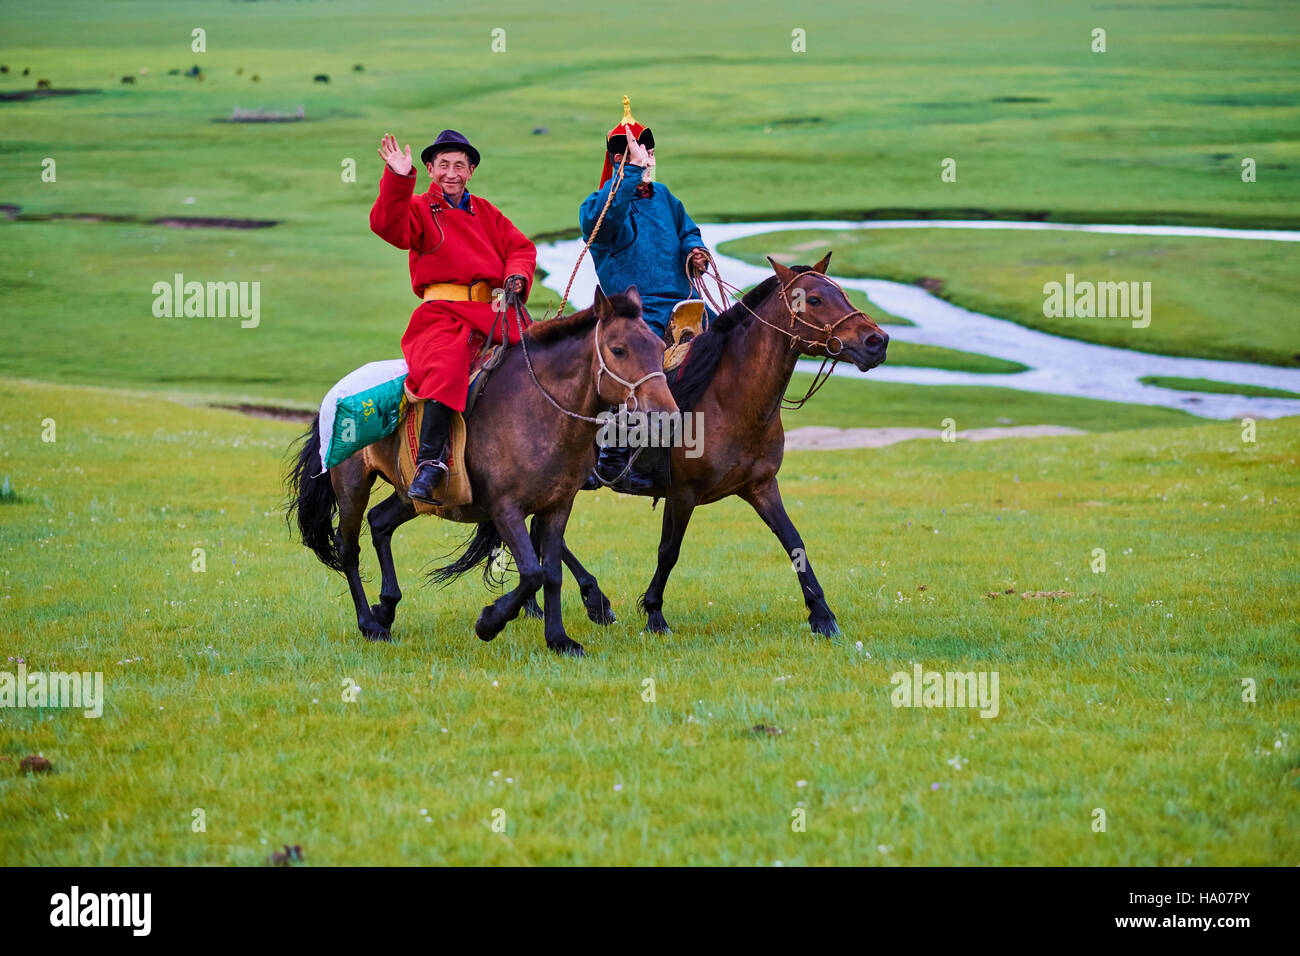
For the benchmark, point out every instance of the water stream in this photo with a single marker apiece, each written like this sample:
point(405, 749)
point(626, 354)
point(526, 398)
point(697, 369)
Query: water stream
point(1056, 365)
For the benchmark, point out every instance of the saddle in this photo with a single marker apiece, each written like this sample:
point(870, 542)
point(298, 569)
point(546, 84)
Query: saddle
point(686, 323)
point(454, 491)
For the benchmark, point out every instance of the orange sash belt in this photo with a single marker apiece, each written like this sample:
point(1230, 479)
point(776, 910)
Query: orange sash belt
point(480, 290)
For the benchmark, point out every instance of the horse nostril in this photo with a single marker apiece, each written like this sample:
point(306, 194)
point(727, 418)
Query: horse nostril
point(876, 341)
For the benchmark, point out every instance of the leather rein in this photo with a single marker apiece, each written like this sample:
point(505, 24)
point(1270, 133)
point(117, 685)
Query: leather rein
point(823, 374)
point(630, 402)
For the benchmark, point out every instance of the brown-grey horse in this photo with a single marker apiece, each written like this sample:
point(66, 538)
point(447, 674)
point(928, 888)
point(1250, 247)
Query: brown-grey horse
point(735, 378)
point(525, 456)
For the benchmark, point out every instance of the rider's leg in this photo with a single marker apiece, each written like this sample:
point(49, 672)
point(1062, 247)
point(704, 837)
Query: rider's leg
point(438, 352)
point(435, 429)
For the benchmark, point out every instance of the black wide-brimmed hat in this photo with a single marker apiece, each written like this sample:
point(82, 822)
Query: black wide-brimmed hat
point(448, 141)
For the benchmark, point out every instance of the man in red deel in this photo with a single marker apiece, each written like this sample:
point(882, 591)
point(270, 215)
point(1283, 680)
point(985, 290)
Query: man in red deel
point(464, 254)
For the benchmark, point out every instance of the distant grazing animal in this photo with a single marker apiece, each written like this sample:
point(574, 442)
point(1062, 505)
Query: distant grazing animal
point(239, 71)
point(256, 78)
point(193, 71)
point(321, 78)
point(43, 84)
point(358, 68)
point(128, 79)
point(35, 763)
point(4, 69)
point(26, 70)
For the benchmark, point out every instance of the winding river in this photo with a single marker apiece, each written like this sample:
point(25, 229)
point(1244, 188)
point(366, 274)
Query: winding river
point(1056, 365)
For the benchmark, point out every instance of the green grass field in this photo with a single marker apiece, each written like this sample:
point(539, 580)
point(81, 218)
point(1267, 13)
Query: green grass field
point(1205, 385)
point(224, 688)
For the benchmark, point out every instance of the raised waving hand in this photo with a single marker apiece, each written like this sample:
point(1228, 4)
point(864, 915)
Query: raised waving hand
point(390, 153)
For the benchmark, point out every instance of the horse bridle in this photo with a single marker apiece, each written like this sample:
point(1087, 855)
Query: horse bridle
point(631, 403)
point(604, 369)
point(823, 375)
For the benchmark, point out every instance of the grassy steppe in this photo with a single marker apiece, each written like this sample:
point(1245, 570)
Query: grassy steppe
point(224, 688)
point(1206, 385)
point(1038, 123)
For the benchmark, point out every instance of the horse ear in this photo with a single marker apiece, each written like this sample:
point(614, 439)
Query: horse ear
point(633, 295)
point(600, 304)
point(821, 266)
point(784, 273)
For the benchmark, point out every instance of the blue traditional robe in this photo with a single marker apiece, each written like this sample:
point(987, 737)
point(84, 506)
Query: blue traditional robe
point(643, 241)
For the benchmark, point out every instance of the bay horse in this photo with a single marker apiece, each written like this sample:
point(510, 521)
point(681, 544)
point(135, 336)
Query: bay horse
point(529, 446)
point(736, 376)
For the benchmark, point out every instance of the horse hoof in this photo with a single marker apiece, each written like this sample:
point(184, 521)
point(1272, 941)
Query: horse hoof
point(383, 614)
point(376, 634)
point(827, 628)
point(601, 613)
point(657, 625)
point(484, 627)
point(566, 647)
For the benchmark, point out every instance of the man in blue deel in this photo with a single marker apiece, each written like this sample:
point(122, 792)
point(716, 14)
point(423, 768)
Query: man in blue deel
point(646, 239)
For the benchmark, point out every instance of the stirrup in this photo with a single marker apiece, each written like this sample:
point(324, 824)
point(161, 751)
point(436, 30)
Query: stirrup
point(434, 481)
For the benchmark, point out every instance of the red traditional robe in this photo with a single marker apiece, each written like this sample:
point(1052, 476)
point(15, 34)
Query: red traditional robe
point(449, 245)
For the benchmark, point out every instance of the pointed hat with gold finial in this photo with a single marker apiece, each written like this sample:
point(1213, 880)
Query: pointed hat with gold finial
point(616, 139)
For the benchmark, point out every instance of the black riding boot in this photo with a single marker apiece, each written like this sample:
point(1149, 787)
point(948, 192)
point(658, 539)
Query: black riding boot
point(612, 462)
point(652, 468)
point(435, 429)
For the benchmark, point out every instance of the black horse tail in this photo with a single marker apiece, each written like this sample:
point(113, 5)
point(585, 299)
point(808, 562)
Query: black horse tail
point(312, 501)
point(483, 549)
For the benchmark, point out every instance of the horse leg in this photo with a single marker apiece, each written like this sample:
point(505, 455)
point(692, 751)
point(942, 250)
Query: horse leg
point(552, 536)
point(384, 519)
point(531, 607)
point(514, 534)
point(677, 513)
point(766, 500)
point(593, 598)
point(352, 498)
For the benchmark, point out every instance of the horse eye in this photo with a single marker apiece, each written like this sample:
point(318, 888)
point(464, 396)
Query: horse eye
point(814, 300)
point(618, 351)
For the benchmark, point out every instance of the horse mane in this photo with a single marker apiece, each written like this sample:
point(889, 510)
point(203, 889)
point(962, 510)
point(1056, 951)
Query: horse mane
point(566, 327)
point(707, 348)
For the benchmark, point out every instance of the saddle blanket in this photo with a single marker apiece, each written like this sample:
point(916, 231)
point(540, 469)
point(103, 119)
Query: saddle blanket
point(454, 488)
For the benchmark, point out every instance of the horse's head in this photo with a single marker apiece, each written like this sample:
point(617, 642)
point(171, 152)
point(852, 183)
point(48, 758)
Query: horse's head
point(826, 323)
point(630, 357)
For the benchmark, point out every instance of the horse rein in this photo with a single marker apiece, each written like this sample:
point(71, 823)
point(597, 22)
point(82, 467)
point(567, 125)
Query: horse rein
point(822, 375)
point(618, 181)
point(696, 283)
point(604, 369)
